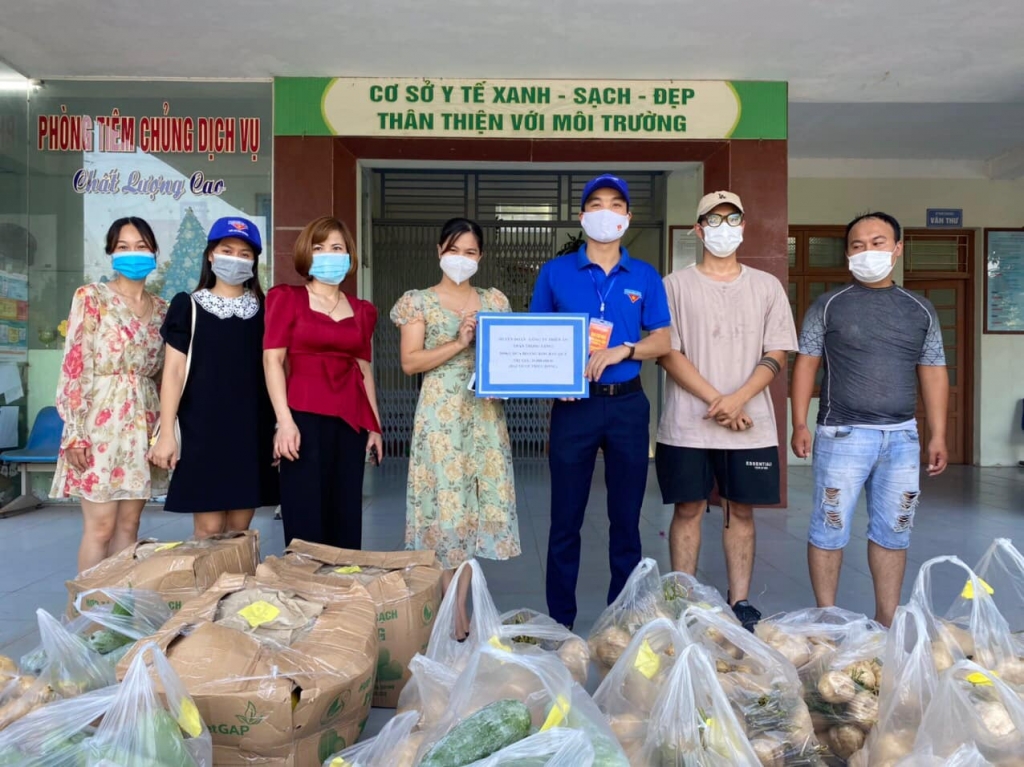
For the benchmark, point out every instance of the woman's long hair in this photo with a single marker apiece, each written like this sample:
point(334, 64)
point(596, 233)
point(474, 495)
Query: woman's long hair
point(207, 279)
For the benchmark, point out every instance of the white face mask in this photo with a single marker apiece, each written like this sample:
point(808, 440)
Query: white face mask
point(458, 268)
point(870, 266)
point(722, 240)
point(605, 225)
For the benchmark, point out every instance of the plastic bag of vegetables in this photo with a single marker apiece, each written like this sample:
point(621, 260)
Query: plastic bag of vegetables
point(973, 705)
point(503, 697)
point(54, 735)
point(682, 591)
point(641, 601)
point(838, 655)
point(763, 687)
point(628, 693)
point(526, 629)
point(978, 632)
point(395, 745)
point(909, 682)
point(151, 728)
point(110, 621)
point(693, 723)
point(485, 622)
point(72, 668)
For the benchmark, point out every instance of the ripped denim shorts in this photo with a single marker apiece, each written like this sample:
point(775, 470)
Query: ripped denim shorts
point(886, 463)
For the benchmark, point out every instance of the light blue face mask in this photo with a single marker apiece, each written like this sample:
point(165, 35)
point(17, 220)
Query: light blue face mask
point(134, 266)
point(330, 268)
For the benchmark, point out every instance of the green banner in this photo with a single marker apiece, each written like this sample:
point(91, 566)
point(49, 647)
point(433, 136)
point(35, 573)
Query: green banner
point(542, 109)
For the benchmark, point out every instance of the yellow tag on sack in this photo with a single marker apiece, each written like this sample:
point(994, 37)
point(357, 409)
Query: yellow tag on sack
point(497, 644)
point(189, 720)
point(339, 762)
point(968, 592)
point(348, 569)
point(168, 546)
point(557, 715)
point(259, 613)
point(647, 661)
point(980, 680)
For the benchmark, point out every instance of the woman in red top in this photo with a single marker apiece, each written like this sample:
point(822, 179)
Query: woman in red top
point(317, 349)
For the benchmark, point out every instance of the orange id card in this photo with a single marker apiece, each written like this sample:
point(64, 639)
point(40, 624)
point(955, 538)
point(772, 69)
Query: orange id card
point(600, 334)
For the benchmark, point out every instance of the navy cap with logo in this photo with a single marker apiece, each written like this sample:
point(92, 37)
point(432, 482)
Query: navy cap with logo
point(605, 181)
point(242, 228)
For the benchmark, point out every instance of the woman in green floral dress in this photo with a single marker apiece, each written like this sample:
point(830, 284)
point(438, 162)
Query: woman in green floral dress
point(461, 499)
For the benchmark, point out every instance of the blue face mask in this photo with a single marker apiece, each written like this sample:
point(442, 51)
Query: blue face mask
point(134, 266)
point(330, 268)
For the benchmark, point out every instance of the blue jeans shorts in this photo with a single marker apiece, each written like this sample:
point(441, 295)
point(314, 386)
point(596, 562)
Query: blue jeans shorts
point(886, 463)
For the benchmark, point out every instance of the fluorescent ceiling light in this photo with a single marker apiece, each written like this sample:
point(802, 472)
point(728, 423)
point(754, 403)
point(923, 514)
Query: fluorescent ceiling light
point(21, 84)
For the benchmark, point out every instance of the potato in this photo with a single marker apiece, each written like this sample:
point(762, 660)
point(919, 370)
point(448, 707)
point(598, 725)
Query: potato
point(962, 637)
point(995, 717)
point(1011, 671)
point(863, 709)
point(941, 656)
point(641, 691)
point(793, 649)
point(770, 752)
point(836, 687)
point(608, 646)
point(405, 754)
point(892, 747)
point(863, 674)
point(575, 656)
point(628, 728)
point(845, 740)
point(7, 666)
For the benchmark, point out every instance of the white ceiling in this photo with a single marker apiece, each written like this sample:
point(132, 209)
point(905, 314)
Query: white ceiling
point(868, 78)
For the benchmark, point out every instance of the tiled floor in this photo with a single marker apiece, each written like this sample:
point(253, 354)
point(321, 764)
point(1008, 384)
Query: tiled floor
point(961, 513)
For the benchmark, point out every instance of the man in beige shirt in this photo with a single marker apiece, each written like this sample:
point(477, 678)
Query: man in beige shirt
point(731, 329)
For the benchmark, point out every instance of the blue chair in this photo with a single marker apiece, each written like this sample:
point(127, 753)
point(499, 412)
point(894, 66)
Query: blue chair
point(39, 455)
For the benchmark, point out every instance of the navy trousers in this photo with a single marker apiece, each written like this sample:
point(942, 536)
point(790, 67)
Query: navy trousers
point(619, 426)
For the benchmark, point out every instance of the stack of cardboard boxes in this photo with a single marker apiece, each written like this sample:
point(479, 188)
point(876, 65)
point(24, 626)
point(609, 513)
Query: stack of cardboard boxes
point(285, 659)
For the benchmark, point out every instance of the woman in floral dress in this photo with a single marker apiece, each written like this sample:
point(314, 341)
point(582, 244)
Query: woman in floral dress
point(107, 396)
point(461, 498)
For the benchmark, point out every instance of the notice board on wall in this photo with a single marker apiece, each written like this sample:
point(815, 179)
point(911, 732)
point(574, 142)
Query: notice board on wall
point(1004, 281)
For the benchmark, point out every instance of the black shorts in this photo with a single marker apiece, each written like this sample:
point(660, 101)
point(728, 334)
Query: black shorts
point(687, 474)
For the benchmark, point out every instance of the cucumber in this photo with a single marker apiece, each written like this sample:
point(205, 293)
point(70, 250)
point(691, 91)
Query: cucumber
point(490, 729)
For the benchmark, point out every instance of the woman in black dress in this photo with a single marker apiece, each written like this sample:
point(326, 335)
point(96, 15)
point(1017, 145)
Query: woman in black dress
point(222, 462)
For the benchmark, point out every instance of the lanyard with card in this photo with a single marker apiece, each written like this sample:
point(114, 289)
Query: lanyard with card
point(601, 329)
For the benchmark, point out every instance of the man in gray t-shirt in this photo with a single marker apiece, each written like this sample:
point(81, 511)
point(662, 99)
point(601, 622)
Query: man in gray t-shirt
point(876, 341)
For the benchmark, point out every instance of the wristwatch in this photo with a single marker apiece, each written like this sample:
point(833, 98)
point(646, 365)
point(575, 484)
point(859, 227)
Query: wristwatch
point(631, 347)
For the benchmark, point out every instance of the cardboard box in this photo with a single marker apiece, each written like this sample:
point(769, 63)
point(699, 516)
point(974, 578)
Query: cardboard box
point(265, 701)
point(406, 587)
point(178, 570)
point(310, 751)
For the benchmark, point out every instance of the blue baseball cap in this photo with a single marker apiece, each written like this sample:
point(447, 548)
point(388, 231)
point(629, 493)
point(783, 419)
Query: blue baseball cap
point(604, 181)
point(241, 228)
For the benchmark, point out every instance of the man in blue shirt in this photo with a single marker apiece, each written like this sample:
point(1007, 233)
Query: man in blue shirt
point(622, 297)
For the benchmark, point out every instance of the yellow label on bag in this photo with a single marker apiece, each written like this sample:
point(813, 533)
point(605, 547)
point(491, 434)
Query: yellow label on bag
point(348, 569)
point(497, 644)
point(968, 592)
point(647, 661)
point(980, 680)
point(168, 546)
point(339, 762)
point(259, 613)
point(557, 715)
point(189, 720)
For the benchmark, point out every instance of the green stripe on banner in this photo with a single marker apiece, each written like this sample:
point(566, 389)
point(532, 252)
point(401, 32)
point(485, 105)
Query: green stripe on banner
point(297, 106)
point(765, 110)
